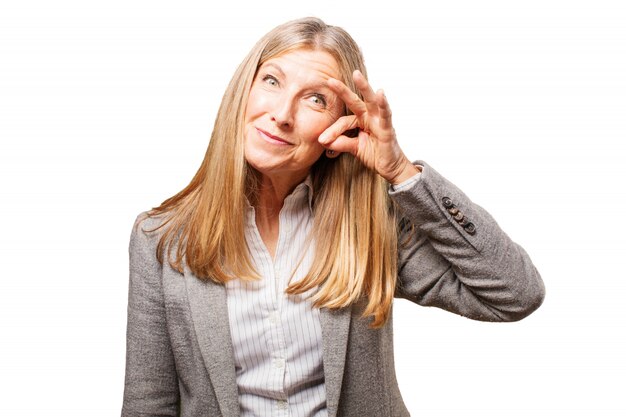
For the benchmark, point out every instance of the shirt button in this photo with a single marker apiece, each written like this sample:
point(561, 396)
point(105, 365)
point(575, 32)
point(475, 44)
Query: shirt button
point(279, 363)
point(282, 404)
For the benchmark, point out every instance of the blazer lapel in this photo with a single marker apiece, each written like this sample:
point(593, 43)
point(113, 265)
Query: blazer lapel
point(209, 311)
point(335, 329)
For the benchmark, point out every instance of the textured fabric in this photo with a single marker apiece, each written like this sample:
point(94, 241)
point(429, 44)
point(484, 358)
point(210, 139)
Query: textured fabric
point(180, 359)
point(277, 339)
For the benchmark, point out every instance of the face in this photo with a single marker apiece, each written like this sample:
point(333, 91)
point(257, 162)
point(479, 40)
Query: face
point(289, 106)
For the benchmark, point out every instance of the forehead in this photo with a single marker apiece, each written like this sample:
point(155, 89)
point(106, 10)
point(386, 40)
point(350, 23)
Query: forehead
point(312, 63)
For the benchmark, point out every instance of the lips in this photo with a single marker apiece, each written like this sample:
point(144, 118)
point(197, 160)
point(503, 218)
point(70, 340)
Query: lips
point(271, 138)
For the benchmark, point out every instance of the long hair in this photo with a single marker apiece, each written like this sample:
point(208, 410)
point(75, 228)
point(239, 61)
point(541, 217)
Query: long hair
point(355, 229)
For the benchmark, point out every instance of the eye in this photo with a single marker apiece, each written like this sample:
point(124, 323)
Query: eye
point(270, 79)
point(319, 99)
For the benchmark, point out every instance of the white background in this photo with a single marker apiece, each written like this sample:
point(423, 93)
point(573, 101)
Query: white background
point(106, 109)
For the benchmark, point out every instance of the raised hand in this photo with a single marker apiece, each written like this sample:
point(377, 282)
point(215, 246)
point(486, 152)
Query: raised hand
point(376, 145)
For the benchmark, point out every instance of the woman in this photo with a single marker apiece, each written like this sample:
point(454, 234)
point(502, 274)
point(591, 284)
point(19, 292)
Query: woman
point(265, 286)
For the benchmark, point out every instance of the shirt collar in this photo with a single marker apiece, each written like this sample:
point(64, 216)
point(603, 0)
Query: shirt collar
point(303, 191)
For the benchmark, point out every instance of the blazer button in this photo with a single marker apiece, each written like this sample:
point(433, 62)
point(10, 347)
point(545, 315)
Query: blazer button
point(470, 228)
point(464, 222)
point(447, 203)
point(459, 216)
point(453, 210)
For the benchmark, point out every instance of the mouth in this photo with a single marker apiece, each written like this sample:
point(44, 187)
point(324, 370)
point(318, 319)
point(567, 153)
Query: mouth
point(271, 138)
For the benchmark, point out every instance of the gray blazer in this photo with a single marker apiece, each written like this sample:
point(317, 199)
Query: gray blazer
point(179, 358)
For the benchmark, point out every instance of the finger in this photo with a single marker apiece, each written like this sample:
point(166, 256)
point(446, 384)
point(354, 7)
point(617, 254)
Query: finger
point(349, 97)
point(384, 111)
point(338, 128)
point(344, 143)
point(366, 90)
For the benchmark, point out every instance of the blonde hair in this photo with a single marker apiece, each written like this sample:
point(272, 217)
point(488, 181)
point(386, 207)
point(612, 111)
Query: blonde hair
point(355, 228)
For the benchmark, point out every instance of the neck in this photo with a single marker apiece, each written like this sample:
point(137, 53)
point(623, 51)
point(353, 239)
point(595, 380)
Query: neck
point(272, 193)
point(270, 199)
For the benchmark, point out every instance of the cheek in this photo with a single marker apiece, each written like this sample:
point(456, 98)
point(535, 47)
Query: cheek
point(314, 126)
point(256, 103)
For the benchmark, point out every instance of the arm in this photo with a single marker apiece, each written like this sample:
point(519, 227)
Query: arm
point(472, 269)
point(151, 387)
point(468, 266)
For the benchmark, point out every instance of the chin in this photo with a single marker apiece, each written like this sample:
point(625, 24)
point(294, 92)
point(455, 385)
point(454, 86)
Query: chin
point(262, 161)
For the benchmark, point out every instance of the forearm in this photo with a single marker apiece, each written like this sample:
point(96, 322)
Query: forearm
point(461, 260)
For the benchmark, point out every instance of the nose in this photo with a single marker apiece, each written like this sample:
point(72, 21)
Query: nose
point(283, 111)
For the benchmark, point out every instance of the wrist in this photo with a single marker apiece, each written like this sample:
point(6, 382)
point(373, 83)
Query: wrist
point(406, 171)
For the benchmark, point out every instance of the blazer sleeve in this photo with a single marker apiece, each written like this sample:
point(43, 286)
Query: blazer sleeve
point(457, 258)
point(151, 387)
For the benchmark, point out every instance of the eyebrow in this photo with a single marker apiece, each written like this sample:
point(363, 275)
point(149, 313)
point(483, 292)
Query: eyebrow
point(314, 86)
point(278, 68)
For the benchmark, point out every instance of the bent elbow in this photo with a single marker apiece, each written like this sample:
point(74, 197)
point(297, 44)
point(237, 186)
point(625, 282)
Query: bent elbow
point(528, 301)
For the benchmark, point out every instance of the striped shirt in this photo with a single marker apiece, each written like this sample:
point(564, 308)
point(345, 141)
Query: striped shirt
point(277, 339)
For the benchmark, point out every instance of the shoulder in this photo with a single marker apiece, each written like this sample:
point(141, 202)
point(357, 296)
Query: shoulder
point(146, 233)
point(146, 222)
